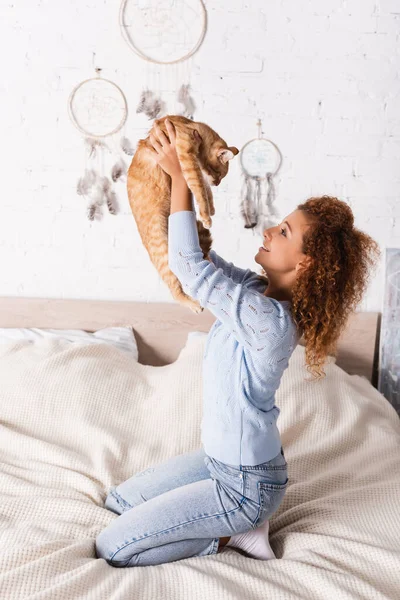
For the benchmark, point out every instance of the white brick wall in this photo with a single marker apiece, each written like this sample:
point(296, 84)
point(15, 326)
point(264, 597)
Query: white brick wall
point(322, 76)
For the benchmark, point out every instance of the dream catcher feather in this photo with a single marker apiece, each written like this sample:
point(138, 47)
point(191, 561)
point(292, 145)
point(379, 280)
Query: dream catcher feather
point(165, 34)
point(260, 160)
point(99, 110)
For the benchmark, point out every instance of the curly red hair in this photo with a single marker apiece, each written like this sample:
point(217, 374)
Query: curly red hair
point(333, 284)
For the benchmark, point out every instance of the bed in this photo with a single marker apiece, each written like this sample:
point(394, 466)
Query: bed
point(75, 421)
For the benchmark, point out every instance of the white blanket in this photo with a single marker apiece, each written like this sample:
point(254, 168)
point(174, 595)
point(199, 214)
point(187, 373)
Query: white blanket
point(77, 419)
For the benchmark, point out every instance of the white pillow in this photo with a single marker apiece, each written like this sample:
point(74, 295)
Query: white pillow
point(121, 337)
point(197, 334)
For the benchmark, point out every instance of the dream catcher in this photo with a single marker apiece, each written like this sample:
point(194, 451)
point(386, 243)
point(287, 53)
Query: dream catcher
point(98, 108)
point(166, 34)
point(260, 160)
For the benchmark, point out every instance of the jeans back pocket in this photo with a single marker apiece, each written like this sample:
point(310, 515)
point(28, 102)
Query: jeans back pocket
point(270, 497)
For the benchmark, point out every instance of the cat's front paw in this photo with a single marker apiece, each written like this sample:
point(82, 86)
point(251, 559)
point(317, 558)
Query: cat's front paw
point(197, 310)
point(207, 222)
point(192, 304)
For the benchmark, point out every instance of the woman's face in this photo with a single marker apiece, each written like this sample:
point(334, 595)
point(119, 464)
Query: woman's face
point(283, 243)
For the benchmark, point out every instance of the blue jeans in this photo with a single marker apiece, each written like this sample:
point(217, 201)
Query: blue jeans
point(181, 507)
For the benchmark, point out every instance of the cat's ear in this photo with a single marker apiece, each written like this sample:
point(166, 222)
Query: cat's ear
point(225, 154)
point(197, 136)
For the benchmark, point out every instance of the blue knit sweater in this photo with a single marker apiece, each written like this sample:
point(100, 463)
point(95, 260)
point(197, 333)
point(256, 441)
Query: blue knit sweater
point(247, 348)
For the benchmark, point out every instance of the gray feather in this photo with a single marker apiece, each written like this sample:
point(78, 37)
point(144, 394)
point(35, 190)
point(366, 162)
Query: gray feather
point(86, 182)
point(150, 105)
point(127, 146)
point(187, 100)
point(247, 206)
point(118, 170)
point(111, 202)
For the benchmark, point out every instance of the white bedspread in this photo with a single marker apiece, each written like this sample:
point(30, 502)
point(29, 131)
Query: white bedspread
point(78, 419)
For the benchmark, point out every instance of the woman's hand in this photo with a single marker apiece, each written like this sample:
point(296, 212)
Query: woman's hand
point(164, 150)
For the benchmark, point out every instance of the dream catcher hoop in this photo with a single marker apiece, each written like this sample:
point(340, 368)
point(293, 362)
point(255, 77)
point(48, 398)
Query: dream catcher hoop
point(260, 160)
point(99, 110)
point(140, 19)
point(165, 34)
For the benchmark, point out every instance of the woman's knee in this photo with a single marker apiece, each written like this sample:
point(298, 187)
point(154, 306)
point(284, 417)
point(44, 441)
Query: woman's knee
point(104, 551)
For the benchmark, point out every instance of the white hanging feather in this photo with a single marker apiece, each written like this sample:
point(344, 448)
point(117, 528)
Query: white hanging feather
point(111, 202)
point(109, 195)
point(105, 184)
point(156, 110)
point(150, 105)
point(119, 170)
point(98, 197)
point(99, 189)
point(91, 211)
point(104, 193)
point(247, 206)
point(86, 182)
point(96, 200)
point(127, 146)
point(146, 98)
point(187, 100)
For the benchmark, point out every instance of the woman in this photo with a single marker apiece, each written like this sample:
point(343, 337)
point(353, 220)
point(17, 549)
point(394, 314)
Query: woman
point(316, 266)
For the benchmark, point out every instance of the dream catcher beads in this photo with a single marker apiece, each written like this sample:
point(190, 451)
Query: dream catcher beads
point(98, 109)
point(260, 160)
point(165, 34)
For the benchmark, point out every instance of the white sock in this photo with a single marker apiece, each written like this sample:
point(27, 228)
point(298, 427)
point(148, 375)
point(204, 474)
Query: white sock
point(254, 542)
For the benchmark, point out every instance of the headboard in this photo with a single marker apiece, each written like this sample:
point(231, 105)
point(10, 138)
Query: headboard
point(161, 328)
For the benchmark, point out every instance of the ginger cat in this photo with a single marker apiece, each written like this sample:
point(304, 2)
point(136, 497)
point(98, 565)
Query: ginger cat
point(204, 157)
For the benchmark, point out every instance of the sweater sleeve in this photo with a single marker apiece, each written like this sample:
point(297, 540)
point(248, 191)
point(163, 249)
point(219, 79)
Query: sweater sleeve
point(235, 273)
point(256, 321)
